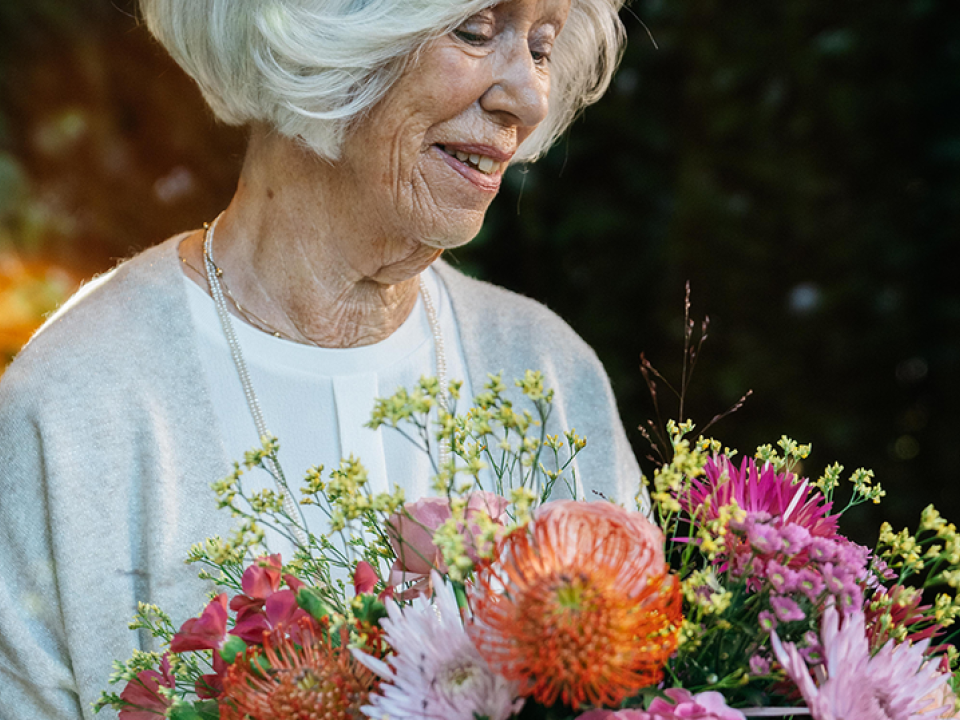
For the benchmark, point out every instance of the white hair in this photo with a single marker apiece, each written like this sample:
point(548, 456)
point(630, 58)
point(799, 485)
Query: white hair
point(311, 68)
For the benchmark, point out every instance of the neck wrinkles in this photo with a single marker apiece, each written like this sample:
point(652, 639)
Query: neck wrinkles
point(297, 252)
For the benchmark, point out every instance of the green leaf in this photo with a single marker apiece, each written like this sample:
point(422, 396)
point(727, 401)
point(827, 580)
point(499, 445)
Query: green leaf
point(233, 647)
point(310, 600)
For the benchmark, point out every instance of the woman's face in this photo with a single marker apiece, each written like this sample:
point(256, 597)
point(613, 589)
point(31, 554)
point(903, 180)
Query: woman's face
point(429, 158)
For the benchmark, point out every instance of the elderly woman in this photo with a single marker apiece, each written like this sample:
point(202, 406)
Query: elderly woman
point(379, 134)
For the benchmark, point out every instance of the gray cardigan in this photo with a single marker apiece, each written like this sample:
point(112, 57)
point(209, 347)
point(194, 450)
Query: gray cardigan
point(108, 448)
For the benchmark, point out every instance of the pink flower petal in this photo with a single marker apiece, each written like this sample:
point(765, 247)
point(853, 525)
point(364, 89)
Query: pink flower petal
point(262, 579)
point(364, 578)
point(206, 632)
point(142, 692)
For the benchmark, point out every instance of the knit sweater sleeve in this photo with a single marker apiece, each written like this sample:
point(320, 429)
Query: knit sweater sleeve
point(36, 678)
point(106, 457)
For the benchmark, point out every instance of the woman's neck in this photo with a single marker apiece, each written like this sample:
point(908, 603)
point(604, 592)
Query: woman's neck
point(298, 254)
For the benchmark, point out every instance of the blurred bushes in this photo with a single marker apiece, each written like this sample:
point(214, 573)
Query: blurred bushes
point(797, 161)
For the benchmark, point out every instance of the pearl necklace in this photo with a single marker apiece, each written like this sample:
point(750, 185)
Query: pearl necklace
point(214, 274)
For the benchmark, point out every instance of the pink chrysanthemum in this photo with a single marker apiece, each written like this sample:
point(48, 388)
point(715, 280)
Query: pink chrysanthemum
point(437, 672)
point(894, 684)
point(764, 490)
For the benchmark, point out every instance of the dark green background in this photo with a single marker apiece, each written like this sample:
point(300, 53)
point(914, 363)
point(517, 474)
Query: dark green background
point(797, 161)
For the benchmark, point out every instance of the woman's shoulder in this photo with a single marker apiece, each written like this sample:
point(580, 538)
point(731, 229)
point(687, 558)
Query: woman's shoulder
point(513, 323)
point(101, 329)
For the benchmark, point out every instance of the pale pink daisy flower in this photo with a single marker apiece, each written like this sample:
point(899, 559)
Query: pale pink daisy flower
point(436, 673)
point(894, 684)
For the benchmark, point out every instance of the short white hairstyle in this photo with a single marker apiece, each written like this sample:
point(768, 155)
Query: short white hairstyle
point(312, 68)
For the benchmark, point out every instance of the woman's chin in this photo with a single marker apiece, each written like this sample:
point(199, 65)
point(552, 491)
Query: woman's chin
point(453, 235)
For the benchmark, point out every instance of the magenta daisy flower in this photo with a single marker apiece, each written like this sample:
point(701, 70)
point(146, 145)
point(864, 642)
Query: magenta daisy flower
point(757, 491)
point(437, 672)
point(895, 684)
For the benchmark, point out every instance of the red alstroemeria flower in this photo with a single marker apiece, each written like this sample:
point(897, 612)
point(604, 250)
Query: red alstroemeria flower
point(280, 608)
point(207, 632)
point(264, 606)
point(146, 702)
point(262, 579)
point(259, 582)
point(210, 686)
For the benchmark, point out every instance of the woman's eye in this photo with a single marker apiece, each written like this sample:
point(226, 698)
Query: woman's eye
point(540, 57)
point(470, 37)
point(540, 52)
point(476, 30)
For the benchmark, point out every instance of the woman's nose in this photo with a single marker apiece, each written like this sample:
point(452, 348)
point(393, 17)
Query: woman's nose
point(520, 91)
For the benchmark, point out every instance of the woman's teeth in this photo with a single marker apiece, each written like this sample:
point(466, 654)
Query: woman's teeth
point(486, 165)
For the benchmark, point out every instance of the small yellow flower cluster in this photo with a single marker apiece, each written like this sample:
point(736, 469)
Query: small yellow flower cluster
point(217, 551)
point(486, 533)
point(532, 386)
point(672, 479)
point(450, 542)
point(349, 500)
point(713, 534)
point(269, 446)
point(932, 521)
point(793, 454)
point(266, 501)
point(934, 550)
point(864, 488)
point(228, 488)
point(946, 609)
point(313, 486)
point(139, 662)
point(902, 596)
point(703, 591)
point(830, 480)
point(522, 500)
point(404, 404)
point(903, 549)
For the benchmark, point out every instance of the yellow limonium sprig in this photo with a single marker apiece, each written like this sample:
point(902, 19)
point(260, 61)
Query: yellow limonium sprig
point(672, 479)
point(794, 454)
point(932, 552)
point(713, 534)
point(449, 540)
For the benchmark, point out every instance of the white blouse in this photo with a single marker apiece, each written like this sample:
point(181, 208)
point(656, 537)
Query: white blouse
point(317, 400)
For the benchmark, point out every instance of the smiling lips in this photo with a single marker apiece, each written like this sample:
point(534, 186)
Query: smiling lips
point(481, 165)
point(484, 163)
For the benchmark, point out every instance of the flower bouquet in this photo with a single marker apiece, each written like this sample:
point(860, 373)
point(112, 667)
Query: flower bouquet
point(730, 593)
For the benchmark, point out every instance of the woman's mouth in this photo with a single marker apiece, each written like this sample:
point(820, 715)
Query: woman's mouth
point(483, 169)
point(484, 163)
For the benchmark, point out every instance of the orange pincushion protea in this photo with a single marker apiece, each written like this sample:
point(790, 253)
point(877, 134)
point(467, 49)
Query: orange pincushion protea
point(307, 680)
point(578, 606)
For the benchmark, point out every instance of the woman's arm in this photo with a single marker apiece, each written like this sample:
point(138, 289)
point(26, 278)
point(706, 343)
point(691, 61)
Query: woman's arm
point(36, 679)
